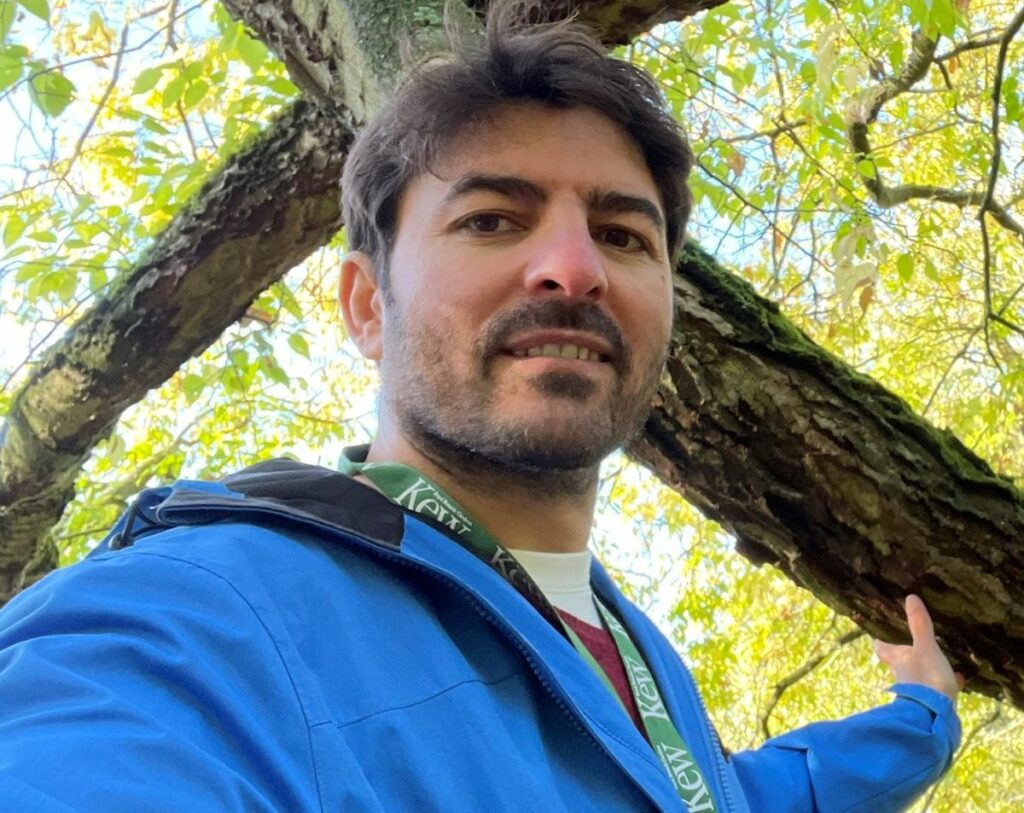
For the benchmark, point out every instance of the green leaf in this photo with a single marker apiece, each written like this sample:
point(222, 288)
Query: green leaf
point(83, 203)
point(12, 63)
point(97, 279)
point(172, 93)
point(13, 229)
point(288, 300)
point(196, 91)
point(67, 287)
point(252, 52)
point(43, 237)
point(239, 359)
point(7, 9)
point(808, 72)
point(193, 70)
point(815, 10)
point(229, 39)
point(944, 16)
point(38, 7)
point(1011, 100)
point(154, 126)
point(714, 28)
point(1012, 106)
point(116, 151)
point(193, 385)
point(283, 86)
point(33, 268)
point(866, 167)
point(298, 343)
point(147, 80)
point(273, 371)
point(51, 91)
point(905, 266)
point(920, 12)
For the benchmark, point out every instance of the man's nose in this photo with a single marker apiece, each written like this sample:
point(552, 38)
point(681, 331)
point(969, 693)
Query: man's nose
point(568, 261)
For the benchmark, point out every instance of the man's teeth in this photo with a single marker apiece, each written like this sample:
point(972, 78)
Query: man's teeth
point(559, 351)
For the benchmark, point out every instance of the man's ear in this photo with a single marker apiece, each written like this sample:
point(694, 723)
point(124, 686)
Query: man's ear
point(361, 301)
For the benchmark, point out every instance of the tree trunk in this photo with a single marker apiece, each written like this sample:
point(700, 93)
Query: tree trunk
point(814, 468)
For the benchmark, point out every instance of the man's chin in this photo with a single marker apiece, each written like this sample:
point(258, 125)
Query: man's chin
point(555, 442)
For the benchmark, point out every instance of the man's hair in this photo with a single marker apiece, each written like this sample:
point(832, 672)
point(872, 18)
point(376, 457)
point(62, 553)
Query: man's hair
point(558, 64)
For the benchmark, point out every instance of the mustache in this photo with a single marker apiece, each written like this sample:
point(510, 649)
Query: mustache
point(555, 314)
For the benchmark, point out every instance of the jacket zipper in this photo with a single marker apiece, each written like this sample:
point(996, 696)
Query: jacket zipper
point(525, 651)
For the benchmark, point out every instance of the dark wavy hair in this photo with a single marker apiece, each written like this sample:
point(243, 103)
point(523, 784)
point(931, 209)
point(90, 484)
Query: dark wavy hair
point(555, 63)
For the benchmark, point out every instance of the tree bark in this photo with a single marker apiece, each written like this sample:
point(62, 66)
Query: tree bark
point(261, 214)
point(825, 474)
point(813, 467)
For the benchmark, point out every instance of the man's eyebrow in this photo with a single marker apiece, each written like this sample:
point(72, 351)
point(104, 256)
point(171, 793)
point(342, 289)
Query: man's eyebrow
point(605, 201)
point(608, 201)
point(508, 185)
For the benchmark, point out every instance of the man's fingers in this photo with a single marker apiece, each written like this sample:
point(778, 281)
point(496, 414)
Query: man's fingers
point(888, 653)
point(920, 622)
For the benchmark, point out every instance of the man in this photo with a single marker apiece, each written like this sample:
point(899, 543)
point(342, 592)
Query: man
point(426, 631)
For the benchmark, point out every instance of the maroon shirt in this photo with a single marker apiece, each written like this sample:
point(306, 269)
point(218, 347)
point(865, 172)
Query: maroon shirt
point(602, 647)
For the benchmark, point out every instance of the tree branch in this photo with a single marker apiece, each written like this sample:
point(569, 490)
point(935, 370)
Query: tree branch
point(801, 672)
point(916, 68)
point(987, 204)
point(821, 472)
point(262, 213)
point(970, 45)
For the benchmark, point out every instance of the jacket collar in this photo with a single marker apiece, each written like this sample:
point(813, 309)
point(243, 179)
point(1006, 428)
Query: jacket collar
point(276, 490)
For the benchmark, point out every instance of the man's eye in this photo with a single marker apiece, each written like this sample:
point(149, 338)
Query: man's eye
point(624, 239)
point(487, 223)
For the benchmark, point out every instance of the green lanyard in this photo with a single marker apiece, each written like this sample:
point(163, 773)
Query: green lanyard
point(411, 490)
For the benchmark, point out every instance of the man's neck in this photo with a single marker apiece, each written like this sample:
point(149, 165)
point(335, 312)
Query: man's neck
point(518, 516)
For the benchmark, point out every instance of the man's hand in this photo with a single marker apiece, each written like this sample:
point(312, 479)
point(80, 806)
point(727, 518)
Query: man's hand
point(923, 661)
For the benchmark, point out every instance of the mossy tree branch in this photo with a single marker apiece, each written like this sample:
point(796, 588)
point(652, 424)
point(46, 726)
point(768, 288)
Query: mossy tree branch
point(823, 473)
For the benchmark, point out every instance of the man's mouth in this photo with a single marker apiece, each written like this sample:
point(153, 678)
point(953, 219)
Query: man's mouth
point(558, 351)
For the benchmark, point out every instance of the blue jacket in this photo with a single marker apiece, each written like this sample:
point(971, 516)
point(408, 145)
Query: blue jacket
point(290, 640)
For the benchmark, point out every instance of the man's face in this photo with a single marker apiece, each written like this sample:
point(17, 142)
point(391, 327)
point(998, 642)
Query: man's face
point(530, 302)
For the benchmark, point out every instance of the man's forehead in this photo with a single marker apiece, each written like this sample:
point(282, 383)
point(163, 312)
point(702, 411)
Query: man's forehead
point(547, 146)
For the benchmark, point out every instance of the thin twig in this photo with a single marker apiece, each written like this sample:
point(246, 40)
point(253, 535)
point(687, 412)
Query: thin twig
point(970, 45)
point(803, 671)
point(171, 44)
point(772, 133)
point(188, 131)
point(115, 74)
point(993, 176)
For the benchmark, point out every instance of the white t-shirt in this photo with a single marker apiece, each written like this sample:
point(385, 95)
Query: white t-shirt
point(564, 578)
